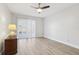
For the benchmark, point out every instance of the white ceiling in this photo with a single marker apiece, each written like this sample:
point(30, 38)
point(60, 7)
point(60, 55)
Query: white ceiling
point(26, 9)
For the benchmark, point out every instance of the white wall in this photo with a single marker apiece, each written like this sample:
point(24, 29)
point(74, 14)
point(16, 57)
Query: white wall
point(4, 21)
point(63, 26)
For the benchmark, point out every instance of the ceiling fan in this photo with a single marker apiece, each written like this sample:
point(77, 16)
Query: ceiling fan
point(39, 8)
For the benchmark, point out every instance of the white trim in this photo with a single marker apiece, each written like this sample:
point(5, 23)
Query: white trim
point(74, 46)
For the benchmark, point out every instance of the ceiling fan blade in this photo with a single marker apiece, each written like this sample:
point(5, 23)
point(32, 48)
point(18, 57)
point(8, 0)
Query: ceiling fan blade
point(45, 7)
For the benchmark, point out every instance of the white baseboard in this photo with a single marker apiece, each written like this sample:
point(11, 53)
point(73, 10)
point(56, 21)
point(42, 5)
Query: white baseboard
point(66, 43)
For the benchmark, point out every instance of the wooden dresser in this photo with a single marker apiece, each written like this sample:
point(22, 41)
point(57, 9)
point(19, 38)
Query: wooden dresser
point(10, 45)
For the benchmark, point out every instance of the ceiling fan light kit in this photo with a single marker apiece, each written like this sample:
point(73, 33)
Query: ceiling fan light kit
point(39, 10)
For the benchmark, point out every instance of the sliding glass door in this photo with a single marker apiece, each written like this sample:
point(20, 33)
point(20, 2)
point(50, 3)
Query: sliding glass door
point(26, 28)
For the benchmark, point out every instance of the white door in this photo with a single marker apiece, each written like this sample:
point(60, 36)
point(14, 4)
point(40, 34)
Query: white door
point(25, 28)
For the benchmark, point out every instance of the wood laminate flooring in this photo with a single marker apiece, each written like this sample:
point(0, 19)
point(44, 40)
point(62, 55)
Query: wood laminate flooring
point(43, 46)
